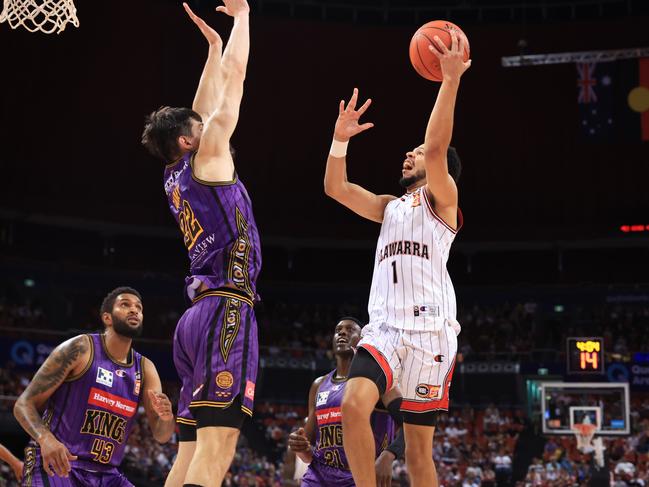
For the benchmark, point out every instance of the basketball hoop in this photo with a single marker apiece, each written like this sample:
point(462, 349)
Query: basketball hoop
point(46, 16)
point(584, 433)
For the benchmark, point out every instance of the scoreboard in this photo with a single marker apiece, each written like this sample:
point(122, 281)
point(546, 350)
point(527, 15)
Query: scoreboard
point(585, 355)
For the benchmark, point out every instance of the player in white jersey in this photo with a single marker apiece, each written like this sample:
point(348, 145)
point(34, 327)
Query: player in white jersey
point(411, 338)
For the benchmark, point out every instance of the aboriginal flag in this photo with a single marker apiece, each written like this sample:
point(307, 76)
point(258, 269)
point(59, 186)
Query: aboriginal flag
point(613, 100)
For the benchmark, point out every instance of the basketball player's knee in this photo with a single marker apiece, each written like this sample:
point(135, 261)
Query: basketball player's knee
point(354, 409)
point(416, 463)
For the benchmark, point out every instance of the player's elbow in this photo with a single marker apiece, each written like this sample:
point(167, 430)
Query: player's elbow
point(331, 187)
point(233, 69)
point(18, 407)
point(435, 151)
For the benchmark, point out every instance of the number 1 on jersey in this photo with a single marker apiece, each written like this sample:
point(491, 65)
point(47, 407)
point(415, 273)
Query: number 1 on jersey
point(394, 272)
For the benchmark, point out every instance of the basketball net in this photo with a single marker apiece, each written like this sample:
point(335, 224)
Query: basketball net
point(584, 433)
point(45, 16)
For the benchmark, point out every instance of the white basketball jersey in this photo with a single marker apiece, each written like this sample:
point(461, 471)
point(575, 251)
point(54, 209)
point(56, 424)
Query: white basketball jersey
point(411, 287)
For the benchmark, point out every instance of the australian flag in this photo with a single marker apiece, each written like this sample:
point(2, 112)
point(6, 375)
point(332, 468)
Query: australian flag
point(595, 100)
point(609, 106)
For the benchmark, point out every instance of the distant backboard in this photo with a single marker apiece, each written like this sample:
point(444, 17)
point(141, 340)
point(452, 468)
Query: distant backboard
point(605, 404)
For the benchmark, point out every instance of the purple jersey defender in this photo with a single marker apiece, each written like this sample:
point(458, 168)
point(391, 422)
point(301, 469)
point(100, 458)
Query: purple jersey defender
point(92, 414)
point(329, 467)
point(218, 229)
point(215, 343)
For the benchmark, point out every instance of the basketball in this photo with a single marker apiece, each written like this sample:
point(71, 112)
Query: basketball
point(423, 60)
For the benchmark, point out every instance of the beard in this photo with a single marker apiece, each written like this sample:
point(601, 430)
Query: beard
point(407, 182)
point(122, 328)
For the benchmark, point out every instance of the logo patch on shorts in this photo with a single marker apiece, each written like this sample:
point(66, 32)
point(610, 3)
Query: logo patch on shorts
point(428, 391)
point(104, 377)
point(250, 390)
point(224, 380)
point(322, 398)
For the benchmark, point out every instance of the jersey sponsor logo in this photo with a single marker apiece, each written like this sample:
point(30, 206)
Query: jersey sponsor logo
point(404, 247)
point(250, 390)
point(428, 391)
point(138, 383)
point(104, 377)
point(104, 424)
point(331, 415)
point(200, 248)
point(172, 180)
point(322, 398)
point(431, 310)
point(438, 358)
point(224, 380)
point(112, 402)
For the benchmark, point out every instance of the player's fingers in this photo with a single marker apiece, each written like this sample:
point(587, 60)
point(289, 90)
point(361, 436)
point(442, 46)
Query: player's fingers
point(365, 126)
point(65, 463)
point(56, 465)
point(435, 51)
point(441, 45)
point(341, 107)
point(48, 468)
point(454, 41)
point(467, 65)
point(222, 9)
point(300, 431)
point(365, 106)
point(352, 101)
point(189, 11)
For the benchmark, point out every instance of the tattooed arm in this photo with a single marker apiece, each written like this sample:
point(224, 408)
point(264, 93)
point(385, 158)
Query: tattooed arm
point(67, 360)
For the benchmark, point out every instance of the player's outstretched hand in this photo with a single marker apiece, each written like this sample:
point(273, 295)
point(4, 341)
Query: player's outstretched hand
point(56, 456)
point(383, 467)
point(347, 123)
point(234, 7)
point(210, 34)
point(451, 60)
point(298, 442)
point(161, 405)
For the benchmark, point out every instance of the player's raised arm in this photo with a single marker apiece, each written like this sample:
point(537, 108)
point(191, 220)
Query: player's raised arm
point(156, 404)
point(206, 98)
point(356, 198)
point(440, 125)
point(67, 360)
point(213, 162)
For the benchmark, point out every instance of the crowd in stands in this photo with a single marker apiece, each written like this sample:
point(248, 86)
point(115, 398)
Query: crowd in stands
point(504, 330)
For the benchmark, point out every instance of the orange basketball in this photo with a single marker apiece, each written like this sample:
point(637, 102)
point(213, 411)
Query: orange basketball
point(423, 60)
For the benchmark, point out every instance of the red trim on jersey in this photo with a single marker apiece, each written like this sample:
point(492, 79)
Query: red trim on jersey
point(383, 363)
point(460, 218)
point(434, 405)
point(116, 404)
point(331, 415)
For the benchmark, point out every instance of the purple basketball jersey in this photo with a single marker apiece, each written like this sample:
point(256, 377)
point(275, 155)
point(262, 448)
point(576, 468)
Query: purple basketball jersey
point(328, 449)
point(92, 414)
point(218, 228)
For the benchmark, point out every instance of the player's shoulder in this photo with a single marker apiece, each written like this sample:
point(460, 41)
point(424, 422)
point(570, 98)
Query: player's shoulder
point(319, 380)
point(76, 345)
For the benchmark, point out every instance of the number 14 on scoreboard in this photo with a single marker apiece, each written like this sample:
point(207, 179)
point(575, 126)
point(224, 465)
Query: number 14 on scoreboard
point(585, 355)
